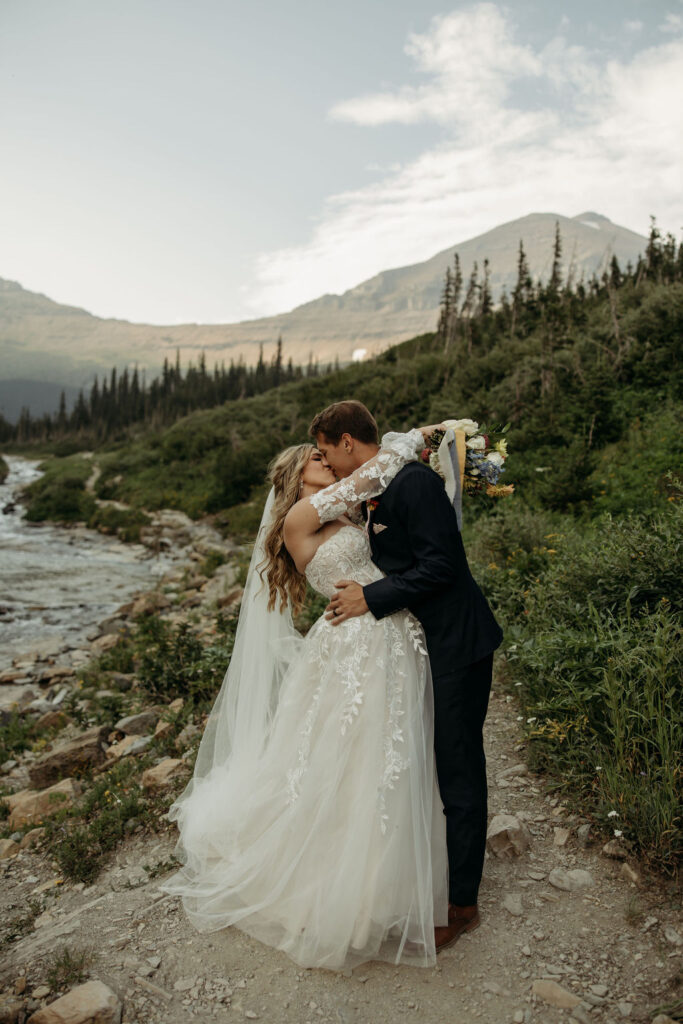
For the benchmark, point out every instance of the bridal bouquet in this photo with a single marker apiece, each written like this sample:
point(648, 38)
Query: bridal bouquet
point(485, 454)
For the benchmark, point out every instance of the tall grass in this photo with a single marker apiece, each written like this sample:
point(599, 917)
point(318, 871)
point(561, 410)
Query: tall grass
point(594, 649)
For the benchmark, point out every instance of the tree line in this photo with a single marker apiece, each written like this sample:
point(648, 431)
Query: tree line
point(465, 310)
point(122, 399)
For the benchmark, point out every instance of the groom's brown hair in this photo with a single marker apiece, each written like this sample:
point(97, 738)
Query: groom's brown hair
point(350, 417)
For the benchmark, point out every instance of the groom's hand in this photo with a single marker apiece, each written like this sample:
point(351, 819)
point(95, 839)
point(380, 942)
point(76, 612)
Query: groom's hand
point(348, 602)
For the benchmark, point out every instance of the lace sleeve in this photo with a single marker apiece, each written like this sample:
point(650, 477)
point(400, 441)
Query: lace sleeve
point(370, 479)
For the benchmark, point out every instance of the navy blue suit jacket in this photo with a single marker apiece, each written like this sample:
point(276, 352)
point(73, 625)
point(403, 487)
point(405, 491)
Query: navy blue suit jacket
point(421, 551)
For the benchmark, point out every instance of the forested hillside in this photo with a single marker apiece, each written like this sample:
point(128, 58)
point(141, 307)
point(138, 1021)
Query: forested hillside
point(583, 564)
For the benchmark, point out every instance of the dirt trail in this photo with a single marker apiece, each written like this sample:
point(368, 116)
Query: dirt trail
point(164, 971)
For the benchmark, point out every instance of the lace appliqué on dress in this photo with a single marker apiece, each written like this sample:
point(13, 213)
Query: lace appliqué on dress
point(347, 554)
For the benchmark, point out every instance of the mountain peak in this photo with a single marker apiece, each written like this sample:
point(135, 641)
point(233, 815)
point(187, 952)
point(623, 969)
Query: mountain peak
point(590, 217)
point(43, 339)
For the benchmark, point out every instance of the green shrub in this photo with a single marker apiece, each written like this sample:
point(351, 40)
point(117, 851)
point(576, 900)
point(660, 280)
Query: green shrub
point(60, 493)
point(173, 662)
point(125, 523)
point(596, 657)
point(212, 560)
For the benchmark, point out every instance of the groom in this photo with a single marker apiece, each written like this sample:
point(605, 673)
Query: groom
point(415, 540)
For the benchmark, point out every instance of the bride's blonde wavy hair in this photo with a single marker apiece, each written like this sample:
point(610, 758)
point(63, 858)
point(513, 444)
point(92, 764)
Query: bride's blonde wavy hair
point(283, 578)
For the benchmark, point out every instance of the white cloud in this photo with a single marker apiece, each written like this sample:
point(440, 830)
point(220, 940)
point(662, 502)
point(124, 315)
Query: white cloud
point(557, 128)
point(470, 58)
point(633, 26)
point(673, 23)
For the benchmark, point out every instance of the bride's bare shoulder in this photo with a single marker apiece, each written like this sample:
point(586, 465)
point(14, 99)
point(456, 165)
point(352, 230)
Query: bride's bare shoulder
point(302, 517)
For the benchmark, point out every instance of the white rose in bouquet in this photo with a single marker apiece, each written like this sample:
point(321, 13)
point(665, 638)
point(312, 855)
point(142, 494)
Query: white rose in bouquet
point(469, 426)
point(495, 458)
point(476, 443)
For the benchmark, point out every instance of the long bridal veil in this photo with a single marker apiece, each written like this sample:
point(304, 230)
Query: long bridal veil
point(265, 641)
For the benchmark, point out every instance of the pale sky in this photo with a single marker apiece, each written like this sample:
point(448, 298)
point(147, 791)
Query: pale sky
point(205, 161)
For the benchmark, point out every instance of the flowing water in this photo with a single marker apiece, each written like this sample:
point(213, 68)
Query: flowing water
point(57, 583)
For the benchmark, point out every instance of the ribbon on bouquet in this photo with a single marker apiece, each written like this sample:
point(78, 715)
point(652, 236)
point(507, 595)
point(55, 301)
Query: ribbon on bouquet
point(452, 453)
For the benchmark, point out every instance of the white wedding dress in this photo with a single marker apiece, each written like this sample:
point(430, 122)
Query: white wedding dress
point(332, 846)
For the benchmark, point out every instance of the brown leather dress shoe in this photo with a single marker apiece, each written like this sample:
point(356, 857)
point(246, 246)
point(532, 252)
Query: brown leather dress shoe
point(460, 919)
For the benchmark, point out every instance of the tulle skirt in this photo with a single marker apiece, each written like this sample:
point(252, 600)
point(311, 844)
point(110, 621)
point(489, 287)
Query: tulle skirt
point(331, 846)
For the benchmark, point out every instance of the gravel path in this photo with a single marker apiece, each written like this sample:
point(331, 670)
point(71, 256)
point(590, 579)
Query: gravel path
point(612, 942)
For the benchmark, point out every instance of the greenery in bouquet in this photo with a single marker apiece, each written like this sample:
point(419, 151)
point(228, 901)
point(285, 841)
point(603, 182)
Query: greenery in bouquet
point(486, 452)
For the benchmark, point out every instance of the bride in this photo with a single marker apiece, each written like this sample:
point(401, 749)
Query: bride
point(313, 821)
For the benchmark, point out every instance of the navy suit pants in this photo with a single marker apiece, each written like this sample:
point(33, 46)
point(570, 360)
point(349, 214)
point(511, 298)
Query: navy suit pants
point(461, 699)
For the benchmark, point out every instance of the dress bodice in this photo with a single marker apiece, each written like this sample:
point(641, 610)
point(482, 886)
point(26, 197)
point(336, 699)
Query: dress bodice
point(345, 555)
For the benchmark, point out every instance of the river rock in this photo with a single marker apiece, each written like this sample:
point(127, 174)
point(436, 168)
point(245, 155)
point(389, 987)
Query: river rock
point(122, 681)
point(630, 874)
point(572, 880)
point(553, 994)
point(507, 836)
point(92, 1003)
point(148, 603)
point(615, 849)
point(128, 745)
point(31, 805)
point(514, 771)
point(583, 834)
point(164, 773)
point(513, 904)
point(187, 735)
point(104, 643)
point(17, 699)
point(8, 848)
point(56, 672)
point(138, 725)
point(84, 752)
point(31, 838)
point(163, 728)
point(52, 720)
point(672, 936)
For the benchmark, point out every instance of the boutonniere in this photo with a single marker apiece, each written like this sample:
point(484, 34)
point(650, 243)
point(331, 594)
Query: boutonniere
point(372, 504)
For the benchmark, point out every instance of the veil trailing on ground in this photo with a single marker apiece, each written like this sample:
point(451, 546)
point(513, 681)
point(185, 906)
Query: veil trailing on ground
point(265, 641)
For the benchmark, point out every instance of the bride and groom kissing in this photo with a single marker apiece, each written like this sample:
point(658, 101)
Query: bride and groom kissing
point(338, 805)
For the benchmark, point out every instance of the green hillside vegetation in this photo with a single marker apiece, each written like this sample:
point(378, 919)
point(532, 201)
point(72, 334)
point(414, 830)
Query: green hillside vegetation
point(583, 565)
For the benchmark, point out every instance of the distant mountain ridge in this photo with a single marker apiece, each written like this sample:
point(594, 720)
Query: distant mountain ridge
point(43, 340)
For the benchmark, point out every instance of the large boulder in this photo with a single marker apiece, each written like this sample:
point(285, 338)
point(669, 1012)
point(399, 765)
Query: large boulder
point(92, 1003)
point(86, 751)
point(30, 806)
